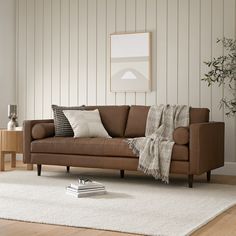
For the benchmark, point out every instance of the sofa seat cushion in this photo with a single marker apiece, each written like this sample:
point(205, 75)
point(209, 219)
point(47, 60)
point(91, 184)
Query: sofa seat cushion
point(180, 153)
point(95, 147)
point(83, 146)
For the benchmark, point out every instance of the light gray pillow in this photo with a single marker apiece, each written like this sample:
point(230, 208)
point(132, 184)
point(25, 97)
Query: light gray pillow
point(86, 123)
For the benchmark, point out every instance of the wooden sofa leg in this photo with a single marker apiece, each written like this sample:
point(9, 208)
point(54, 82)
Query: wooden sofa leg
point(208, 176)
point(39, 168)
point(190, 181)
point(122, 174)
point(68, 169)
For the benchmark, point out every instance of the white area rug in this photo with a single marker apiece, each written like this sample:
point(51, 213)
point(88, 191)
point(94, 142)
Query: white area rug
point(135, 204)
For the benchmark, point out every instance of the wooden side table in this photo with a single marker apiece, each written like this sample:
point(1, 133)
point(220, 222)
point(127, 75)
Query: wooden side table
point(11, 142)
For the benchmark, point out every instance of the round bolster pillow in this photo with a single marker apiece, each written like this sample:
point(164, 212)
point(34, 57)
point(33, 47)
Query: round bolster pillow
point(181, 135)
point(43, 130)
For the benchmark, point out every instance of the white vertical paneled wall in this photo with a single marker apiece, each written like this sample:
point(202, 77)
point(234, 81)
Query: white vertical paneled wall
point(7, 57)
point(63, 53)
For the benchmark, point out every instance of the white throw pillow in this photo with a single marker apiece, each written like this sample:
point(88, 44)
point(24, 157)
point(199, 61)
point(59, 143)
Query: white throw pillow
point(86, 124)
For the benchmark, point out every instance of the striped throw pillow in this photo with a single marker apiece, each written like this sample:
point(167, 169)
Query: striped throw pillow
point(62, 125)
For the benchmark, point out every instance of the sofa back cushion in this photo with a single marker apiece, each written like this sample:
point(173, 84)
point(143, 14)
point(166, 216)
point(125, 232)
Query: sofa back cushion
point(136, 123)
point(114, 118)
point(199, 115)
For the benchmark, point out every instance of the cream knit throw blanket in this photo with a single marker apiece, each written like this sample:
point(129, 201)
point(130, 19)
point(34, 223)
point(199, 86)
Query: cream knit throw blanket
point(155, 149)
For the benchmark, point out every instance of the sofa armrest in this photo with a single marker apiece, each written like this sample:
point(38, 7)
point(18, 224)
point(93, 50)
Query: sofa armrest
point(206, 147)
point(27, 137)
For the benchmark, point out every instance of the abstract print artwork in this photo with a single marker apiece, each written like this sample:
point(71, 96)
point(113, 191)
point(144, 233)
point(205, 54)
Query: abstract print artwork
point(130, 62)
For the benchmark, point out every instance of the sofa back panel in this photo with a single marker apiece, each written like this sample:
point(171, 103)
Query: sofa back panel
point(114, 118)
point(199, 115)
point(136, 123)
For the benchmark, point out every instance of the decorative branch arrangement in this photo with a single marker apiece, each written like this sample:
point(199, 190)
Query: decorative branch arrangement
point(223, 72)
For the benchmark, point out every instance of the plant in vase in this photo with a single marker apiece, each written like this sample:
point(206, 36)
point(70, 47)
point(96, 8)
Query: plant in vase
point(223, 71)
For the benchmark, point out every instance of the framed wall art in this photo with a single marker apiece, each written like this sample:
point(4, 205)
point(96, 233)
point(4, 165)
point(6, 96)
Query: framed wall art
point(130, 62)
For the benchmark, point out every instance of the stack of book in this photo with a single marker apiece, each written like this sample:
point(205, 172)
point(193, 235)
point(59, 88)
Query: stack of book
point(85, 187)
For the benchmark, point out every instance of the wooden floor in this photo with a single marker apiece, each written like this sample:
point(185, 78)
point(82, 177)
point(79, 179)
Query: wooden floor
point(223, 225)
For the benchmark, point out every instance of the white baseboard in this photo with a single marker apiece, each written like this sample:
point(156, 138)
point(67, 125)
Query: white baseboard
point(228, 169)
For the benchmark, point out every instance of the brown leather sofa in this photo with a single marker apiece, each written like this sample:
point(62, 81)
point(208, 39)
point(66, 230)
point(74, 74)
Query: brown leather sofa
point(198, 148)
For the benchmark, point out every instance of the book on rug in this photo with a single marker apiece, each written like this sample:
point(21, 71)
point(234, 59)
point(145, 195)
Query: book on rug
point(85, 194)
point(85, 187)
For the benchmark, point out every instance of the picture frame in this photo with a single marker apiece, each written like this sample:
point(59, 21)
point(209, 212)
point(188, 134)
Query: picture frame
point(130, 62)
